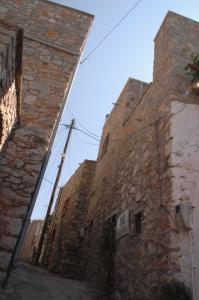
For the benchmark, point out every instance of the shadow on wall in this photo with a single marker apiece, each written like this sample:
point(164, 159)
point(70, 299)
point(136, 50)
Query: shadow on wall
point(11, 48)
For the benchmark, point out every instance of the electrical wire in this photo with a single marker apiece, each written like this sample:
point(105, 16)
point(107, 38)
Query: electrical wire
point(49, 181)
point(76, 119)
point(56, 153)
point(86, 134)
point(84, 141)
point(152, 124)
point(111, 31)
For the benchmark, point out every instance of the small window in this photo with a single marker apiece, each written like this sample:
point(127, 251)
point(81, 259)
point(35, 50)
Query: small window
point(122, 220)
point(138, 222)
point(177, 209)
point(113, 220)
point(122, 227)
point(90, 226)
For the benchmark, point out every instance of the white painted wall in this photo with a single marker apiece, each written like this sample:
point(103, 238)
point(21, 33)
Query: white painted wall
point(184, 163)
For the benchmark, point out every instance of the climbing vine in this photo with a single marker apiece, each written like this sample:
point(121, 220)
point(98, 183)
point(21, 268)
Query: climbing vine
point(192, 69)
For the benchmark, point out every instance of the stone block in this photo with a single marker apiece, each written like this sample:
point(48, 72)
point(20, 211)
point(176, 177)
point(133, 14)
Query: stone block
point(8, 243)
point(30, 99)
point(13, 226)
point(4, 259)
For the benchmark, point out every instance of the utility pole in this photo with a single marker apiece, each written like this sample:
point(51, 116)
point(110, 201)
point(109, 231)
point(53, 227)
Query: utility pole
point(52, 225)
point(46, 220)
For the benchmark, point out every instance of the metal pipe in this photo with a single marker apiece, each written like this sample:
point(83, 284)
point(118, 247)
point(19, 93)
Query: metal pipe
point(192, 264)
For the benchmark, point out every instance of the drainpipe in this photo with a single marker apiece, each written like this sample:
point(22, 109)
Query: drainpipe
point(19, 55)
point(21, 236)
point(192, 264)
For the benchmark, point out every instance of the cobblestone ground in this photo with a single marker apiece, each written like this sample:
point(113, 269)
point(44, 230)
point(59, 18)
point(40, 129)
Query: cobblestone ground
point(33, 283)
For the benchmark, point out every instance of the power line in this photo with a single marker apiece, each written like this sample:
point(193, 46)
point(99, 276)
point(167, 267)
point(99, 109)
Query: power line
point(85, 142)
point(56, 153)
point(110, 32)
point(78, 121)
point(49, 181)
point(87, 134)
point(152, 124)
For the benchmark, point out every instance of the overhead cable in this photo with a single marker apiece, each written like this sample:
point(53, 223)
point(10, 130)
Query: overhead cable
point(86, 142)
point(56, 152)
point(81, 123)
point(111, 31)
point(87, 134)
point(49, 181)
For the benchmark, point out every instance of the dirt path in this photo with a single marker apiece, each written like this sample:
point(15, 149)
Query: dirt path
point(32, 283)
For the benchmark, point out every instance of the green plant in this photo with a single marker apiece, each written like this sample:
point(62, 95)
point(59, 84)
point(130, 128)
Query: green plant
point(173, 290)
point(192, 69)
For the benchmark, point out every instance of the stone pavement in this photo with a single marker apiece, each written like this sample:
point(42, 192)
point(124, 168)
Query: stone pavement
point(33, 283)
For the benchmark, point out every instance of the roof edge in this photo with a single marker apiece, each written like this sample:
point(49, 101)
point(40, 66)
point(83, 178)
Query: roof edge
point(70, 8)
point(129, 80)
point(172, 14)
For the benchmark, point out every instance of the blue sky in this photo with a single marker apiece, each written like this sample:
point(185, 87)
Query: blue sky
point(128, 52)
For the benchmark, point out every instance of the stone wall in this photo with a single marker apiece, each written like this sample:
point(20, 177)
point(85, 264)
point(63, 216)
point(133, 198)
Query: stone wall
point(67, 229)
point(134, 175)
point(54, 37)
point(184, 169)
point(31, 241)
point(9, 100)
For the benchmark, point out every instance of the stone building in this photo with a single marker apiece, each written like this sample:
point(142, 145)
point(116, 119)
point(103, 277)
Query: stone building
point(53, 39)
point(31, 241)
point(143, 206)
point(64, 248)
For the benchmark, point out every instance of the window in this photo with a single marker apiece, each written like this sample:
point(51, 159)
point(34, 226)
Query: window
point(110, 222)
point(122, 220)
point(177, 209)
point(138, 222)
point(90, 226)
point(113, 220)
point(122, 227)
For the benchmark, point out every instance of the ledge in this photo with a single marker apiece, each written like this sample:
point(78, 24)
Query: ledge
point(70, 8)
point(173, 14)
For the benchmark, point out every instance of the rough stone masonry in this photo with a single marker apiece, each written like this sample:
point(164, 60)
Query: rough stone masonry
point(10, 70)
point(141, 223)
point(54, 37)
point(146, 182)
point(31, 241)
point(64, 253)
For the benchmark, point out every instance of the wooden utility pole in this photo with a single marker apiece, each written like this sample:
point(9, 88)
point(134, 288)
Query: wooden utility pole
point(52, 226)
point(46, 220)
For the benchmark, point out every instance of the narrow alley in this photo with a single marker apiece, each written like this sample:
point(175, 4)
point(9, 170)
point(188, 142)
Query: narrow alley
point(32, 283)
point(99, 181)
